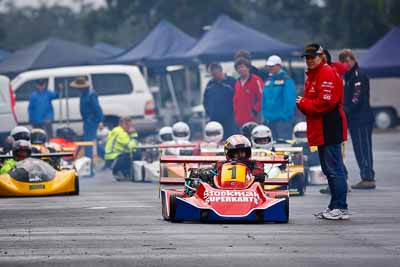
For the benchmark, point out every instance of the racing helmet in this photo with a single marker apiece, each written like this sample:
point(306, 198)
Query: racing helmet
point(213, 132)
point(38, 136)
point(22, 149)
point(165, 134)
point(20, 133)
point(247, 128)
point(237, 147)
point(180, 131)
point(300, 132)
point(261, 136)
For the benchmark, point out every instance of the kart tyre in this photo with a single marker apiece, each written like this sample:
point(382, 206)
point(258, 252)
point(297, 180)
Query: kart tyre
point(298, 182)
point(76, 191)
point(164, 208)
point(173, 202)
point(287, 210)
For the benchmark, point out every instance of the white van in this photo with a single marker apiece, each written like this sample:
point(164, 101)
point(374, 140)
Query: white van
point(7, 118)
point(122, 91)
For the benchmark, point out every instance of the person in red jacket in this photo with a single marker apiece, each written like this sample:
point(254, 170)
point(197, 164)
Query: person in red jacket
point(247, 97)
point(322, 104)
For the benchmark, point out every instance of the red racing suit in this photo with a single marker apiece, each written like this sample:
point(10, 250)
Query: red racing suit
point(322, 104)
point(247, 99)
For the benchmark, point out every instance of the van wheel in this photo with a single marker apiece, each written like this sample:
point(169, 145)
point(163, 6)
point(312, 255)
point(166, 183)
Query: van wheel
point(385, 118)
point(111, 121)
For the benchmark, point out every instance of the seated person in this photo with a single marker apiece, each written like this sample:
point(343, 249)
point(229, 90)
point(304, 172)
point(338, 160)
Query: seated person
point(21, 150)
point(237, 149)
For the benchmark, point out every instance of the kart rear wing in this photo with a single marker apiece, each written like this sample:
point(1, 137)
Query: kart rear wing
point(162, 146)
point(214, 159)
point(42, 155)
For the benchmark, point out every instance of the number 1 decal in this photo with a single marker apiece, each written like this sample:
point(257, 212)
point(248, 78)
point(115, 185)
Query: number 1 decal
point(233, 169)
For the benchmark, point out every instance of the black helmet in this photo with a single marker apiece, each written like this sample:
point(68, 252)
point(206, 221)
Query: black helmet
point(247, 128)
point(22, 149)
point(38, 137)
point(237, 143)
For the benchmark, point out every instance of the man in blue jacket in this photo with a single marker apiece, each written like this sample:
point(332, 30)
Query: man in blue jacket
point(90, 110)
point(40, 108)
point(279, 100)
point(218, 99)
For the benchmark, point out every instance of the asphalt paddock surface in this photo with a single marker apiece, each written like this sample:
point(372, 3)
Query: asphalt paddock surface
point(120, 224)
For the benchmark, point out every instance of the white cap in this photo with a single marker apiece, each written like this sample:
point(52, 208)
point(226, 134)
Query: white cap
point(274, 60)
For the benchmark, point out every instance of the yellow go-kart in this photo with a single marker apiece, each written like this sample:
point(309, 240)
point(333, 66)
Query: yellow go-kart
point(35, 177)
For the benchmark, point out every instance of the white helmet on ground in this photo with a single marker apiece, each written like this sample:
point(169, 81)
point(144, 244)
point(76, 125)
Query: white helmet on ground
point(20, 133)
point(300, 132)
point(213, 132)
point(180, 131)
point(165, 134)
point(261, 136)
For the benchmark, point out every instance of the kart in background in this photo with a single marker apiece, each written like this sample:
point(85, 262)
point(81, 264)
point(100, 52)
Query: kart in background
point(35, 177)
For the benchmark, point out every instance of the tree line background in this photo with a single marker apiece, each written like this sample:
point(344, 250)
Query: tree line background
point(124, 23)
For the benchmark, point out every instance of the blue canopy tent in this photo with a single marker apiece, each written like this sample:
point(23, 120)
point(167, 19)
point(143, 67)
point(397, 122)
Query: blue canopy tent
point(4, 54)
point(108, 49)
point(159, 48)
point(48, 54)
point(228, 36)
point(383, 58)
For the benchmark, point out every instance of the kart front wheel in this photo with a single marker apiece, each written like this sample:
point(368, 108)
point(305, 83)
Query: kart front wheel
point(76, 191)
point(173, 202)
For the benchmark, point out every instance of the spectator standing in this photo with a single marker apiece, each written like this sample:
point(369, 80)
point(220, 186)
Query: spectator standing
point(90, 110)
point(360, 118)
point(279, 100)
point(218, 99)
point(322, 104)
point(253, 69)
point(247, 96)
point(40, 108)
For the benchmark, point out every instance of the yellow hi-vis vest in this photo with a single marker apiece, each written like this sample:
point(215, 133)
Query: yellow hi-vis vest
point(118, 142)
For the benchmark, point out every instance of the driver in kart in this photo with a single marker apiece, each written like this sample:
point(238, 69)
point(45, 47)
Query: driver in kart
point(237, 148)
point(22, 149)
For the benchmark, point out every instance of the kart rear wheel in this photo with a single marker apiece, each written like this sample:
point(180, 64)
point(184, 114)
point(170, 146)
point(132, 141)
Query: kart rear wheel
point(299, 183)
point(76, 191)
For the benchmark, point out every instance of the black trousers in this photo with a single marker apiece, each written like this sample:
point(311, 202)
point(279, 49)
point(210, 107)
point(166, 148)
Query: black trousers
point(361, 137)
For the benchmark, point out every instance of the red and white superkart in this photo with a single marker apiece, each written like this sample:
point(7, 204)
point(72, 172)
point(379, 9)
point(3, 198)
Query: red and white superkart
point(233, 196)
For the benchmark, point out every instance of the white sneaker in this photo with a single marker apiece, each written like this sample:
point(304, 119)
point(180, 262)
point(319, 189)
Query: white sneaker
point(336, 214)
point(319, 214)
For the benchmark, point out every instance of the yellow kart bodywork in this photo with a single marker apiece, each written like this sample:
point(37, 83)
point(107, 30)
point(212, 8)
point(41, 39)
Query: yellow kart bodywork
point(65, 182)
point(293, 171)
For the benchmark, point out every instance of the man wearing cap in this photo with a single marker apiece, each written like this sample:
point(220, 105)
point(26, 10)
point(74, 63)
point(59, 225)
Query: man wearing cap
point(279, 100)
point(40, 108)
point(90, 110)
point(322, 104)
